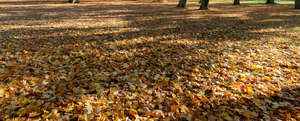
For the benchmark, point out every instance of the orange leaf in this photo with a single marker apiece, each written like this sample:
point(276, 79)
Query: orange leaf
point(132, 112)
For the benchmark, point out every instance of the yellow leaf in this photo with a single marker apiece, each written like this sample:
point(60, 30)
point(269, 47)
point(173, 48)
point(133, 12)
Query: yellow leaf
point(195, 101)
point(76, 61)
point(298, 115)
point(249, 114)
point(184, 109)
point(206, 106)
point(207, 54)
point(132, 112)
point(228, 94)
point(204, 98)
point(16, 119)
point(249, 90)
point(275, 64)
point(227, 117)
point(2, 92)
point(267, 79)
point(175, 85)
point(255, 67)
point(158, 113)
point(196, 70)
point(244, 96)
point(31, 78)
point(34, 114)
point(257, 102)
point(231, 56)
point(243, 79)
point(89, 108)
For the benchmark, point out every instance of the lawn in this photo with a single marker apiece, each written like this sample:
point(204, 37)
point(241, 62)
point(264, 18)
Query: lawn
point(149, 61)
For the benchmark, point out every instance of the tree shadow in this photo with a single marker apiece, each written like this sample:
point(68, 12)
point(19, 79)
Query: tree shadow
point(133, 48)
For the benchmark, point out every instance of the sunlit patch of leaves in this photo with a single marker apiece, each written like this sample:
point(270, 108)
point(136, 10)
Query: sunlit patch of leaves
point(150, 64)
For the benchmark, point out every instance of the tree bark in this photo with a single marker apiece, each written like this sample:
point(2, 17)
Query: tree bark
point(204, 5)
point(236, 2)
point(297, 4)
point(160, 1)
point(181, 4)
point(270, 1)
point(74, 1)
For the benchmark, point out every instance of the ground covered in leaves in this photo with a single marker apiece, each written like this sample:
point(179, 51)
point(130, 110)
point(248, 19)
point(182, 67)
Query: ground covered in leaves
point(130, 60)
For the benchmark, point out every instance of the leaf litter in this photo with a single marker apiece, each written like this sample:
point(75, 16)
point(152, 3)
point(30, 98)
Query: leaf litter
point(131, 61)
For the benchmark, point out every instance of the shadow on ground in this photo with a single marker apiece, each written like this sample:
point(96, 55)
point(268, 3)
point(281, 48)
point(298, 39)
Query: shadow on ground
point(120, 45)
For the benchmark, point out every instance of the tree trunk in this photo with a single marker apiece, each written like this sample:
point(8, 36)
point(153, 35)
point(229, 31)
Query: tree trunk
point(181, 4)
point(160, 1)
point(236, 2)
point(74, 1)
point(204, 5)
point(270, 1)
point(297, 4)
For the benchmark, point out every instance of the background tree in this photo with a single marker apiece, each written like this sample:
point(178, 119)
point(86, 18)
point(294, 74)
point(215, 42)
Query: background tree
point(236, 2)
point(181, 4)
point(160, 1)
point(297, 4)
point(204, 4)
point(270, 1)
point(74, 1)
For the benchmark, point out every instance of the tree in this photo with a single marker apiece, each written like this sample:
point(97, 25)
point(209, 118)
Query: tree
point(270, 1)
point(236, 2)
point(181, 4)
point(297, 4)
point(204, 5)
point(160, 1)
point(74, 1)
